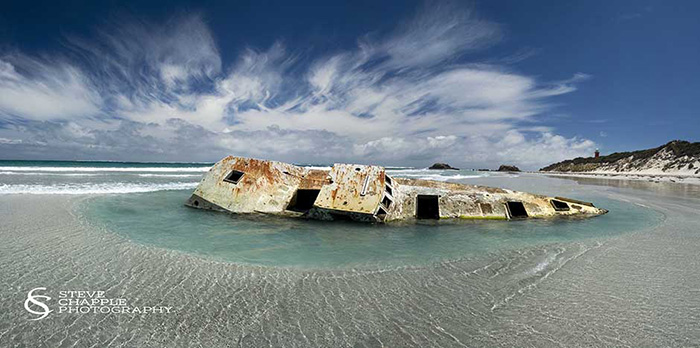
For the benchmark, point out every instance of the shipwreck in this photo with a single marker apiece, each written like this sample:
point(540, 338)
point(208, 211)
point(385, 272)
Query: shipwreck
point(364, 193)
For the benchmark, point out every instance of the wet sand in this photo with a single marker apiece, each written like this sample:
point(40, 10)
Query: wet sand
point(637, 289)
point(690, 179)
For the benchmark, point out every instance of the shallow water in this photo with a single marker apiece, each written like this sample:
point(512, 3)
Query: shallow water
point(160, 219)
point(143, 202)
point(581, 283)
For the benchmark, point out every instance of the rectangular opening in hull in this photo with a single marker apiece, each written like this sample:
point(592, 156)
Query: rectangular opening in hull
point(303, 200)
point(427, 207)
point(516, 210)
point(387, 202)
point(234, 176)
point(381, 214)
point(559, 205)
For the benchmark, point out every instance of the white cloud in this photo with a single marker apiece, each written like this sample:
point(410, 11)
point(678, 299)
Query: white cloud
point(408, 97)
point(49, 90)
point(438, 33)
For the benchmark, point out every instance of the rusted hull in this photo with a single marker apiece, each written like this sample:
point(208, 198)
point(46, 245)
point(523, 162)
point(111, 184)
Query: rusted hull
point(364, 193)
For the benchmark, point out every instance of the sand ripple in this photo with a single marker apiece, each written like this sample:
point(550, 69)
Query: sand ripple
point(638, 289)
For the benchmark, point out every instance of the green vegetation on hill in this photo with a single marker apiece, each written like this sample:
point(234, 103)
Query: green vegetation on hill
point(679, 148)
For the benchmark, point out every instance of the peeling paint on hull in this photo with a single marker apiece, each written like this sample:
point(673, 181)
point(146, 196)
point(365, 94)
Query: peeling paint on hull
point(364, 193)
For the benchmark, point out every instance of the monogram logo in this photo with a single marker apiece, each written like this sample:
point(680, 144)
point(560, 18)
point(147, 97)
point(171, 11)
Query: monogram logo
point(32, 300)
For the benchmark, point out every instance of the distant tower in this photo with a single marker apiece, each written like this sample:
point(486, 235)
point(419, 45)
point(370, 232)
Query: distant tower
point(597, 153)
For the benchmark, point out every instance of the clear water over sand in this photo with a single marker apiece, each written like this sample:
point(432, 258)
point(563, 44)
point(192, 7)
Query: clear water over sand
point(144, 203)
point(160, 219)
point(596, 286)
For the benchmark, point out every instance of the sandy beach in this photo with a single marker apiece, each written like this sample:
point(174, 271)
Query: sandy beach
point(349, 174)
point(657, 177)
point(637, 289)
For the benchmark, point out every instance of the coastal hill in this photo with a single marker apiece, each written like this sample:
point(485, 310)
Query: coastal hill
point(676, 157)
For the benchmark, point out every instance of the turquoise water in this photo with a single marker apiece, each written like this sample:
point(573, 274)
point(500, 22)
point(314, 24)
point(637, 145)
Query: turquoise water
point(627, 278)
point(160, 219)
point(144, 203)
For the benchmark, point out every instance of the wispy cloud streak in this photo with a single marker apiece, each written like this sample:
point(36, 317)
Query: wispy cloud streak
point(405, 97)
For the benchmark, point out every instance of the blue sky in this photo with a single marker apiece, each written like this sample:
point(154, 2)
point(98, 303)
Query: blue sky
point(397, 83)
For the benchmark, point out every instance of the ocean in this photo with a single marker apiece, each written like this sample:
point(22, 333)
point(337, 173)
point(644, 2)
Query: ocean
point(626, 278)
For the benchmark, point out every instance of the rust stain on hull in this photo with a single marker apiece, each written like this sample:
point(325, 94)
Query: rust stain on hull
point(364, 193)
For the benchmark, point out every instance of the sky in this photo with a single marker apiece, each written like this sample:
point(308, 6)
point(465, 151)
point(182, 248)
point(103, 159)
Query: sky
point(395, 83)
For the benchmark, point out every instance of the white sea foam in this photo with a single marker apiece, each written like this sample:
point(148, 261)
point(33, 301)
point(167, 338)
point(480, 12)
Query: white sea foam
point(430, 174)
point(421, 173)
point(94, 188)
point(542, 265)
point(61, 174)
point(106, 169)
point(450, 177)
point(147, 175)
point(170, 175)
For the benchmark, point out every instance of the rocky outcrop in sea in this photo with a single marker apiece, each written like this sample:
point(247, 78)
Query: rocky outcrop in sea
point(507, 168)
point(442, 166)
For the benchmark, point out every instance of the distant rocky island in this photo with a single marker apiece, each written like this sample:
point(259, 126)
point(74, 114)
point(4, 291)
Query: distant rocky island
point(502, 168)
point(442, 166)
point(507, 168)
point(676, 157)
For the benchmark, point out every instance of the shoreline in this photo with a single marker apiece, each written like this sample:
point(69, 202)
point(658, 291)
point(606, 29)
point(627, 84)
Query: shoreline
point(655, 178)
point(482, 301)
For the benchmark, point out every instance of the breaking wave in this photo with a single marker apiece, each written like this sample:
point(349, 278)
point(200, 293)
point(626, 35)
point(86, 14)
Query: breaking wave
point(170, 175)
point(146, 175)
point(106, 169)
point(438, 175)
point(82, 178)
point(62, 174)
point(94, 188)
